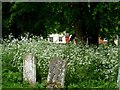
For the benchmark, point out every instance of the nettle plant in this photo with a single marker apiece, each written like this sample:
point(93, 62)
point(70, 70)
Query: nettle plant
point(83, 62)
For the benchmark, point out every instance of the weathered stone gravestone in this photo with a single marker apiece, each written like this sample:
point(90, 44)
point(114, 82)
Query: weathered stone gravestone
point(119, 77)
point(56, 73)
point(29, 69)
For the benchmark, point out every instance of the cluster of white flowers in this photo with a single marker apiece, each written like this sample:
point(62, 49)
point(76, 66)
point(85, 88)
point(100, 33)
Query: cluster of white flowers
point(80, 59)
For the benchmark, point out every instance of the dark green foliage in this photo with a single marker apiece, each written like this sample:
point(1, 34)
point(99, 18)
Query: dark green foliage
point(44, 18)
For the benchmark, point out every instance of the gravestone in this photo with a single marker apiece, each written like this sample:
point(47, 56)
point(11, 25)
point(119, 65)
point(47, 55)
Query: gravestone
point(29, 69)
point(119, 77)
point(56, 75)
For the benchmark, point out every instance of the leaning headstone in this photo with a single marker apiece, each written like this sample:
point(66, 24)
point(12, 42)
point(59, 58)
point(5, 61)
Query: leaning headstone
point(56, 75)
point(29, 69)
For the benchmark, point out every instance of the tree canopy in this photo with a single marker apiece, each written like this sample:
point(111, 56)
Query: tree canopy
point(87, 19)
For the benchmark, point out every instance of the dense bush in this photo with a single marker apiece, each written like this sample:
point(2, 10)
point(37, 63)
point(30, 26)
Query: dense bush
point(87, 67)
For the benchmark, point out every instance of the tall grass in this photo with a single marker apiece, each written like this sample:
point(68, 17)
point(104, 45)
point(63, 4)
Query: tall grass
point(87, 67)
point(0, 66)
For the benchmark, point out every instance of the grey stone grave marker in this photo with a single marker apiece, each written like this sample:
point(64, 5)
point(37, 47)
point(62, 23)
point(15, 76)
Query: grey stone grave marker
point(119, 77)
point(56, 75)
point(29, 69)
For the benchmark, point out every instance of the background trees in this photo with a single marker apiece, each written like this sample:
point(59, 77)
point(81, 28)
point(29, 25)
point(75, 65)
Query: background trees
point(87, 20)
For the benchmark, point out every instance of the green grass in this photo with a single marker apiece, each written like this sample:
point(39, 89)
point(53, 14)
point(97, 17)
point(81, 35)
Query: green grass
point(86, 68)
point(1, 66)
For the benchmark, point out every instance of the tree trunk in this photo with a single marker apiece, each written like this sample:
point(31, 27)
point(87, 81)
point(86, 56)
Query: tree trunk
point(85, 27)
point(78, 31)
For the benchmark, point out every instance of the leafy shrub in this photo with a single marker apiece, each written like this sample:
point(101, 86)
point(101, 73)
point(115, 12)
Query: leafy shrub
point(12, 76)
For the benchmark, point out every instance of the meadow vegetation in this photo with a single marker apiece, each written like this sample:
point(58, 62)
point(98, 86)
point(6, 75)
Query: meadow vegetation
point(87, 67)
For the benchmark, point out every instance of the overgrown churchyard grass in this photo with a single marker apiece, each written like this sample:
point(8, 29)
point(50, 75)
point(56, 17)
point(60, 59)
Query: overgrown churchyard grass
point(86, 67)
point(0, 66)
